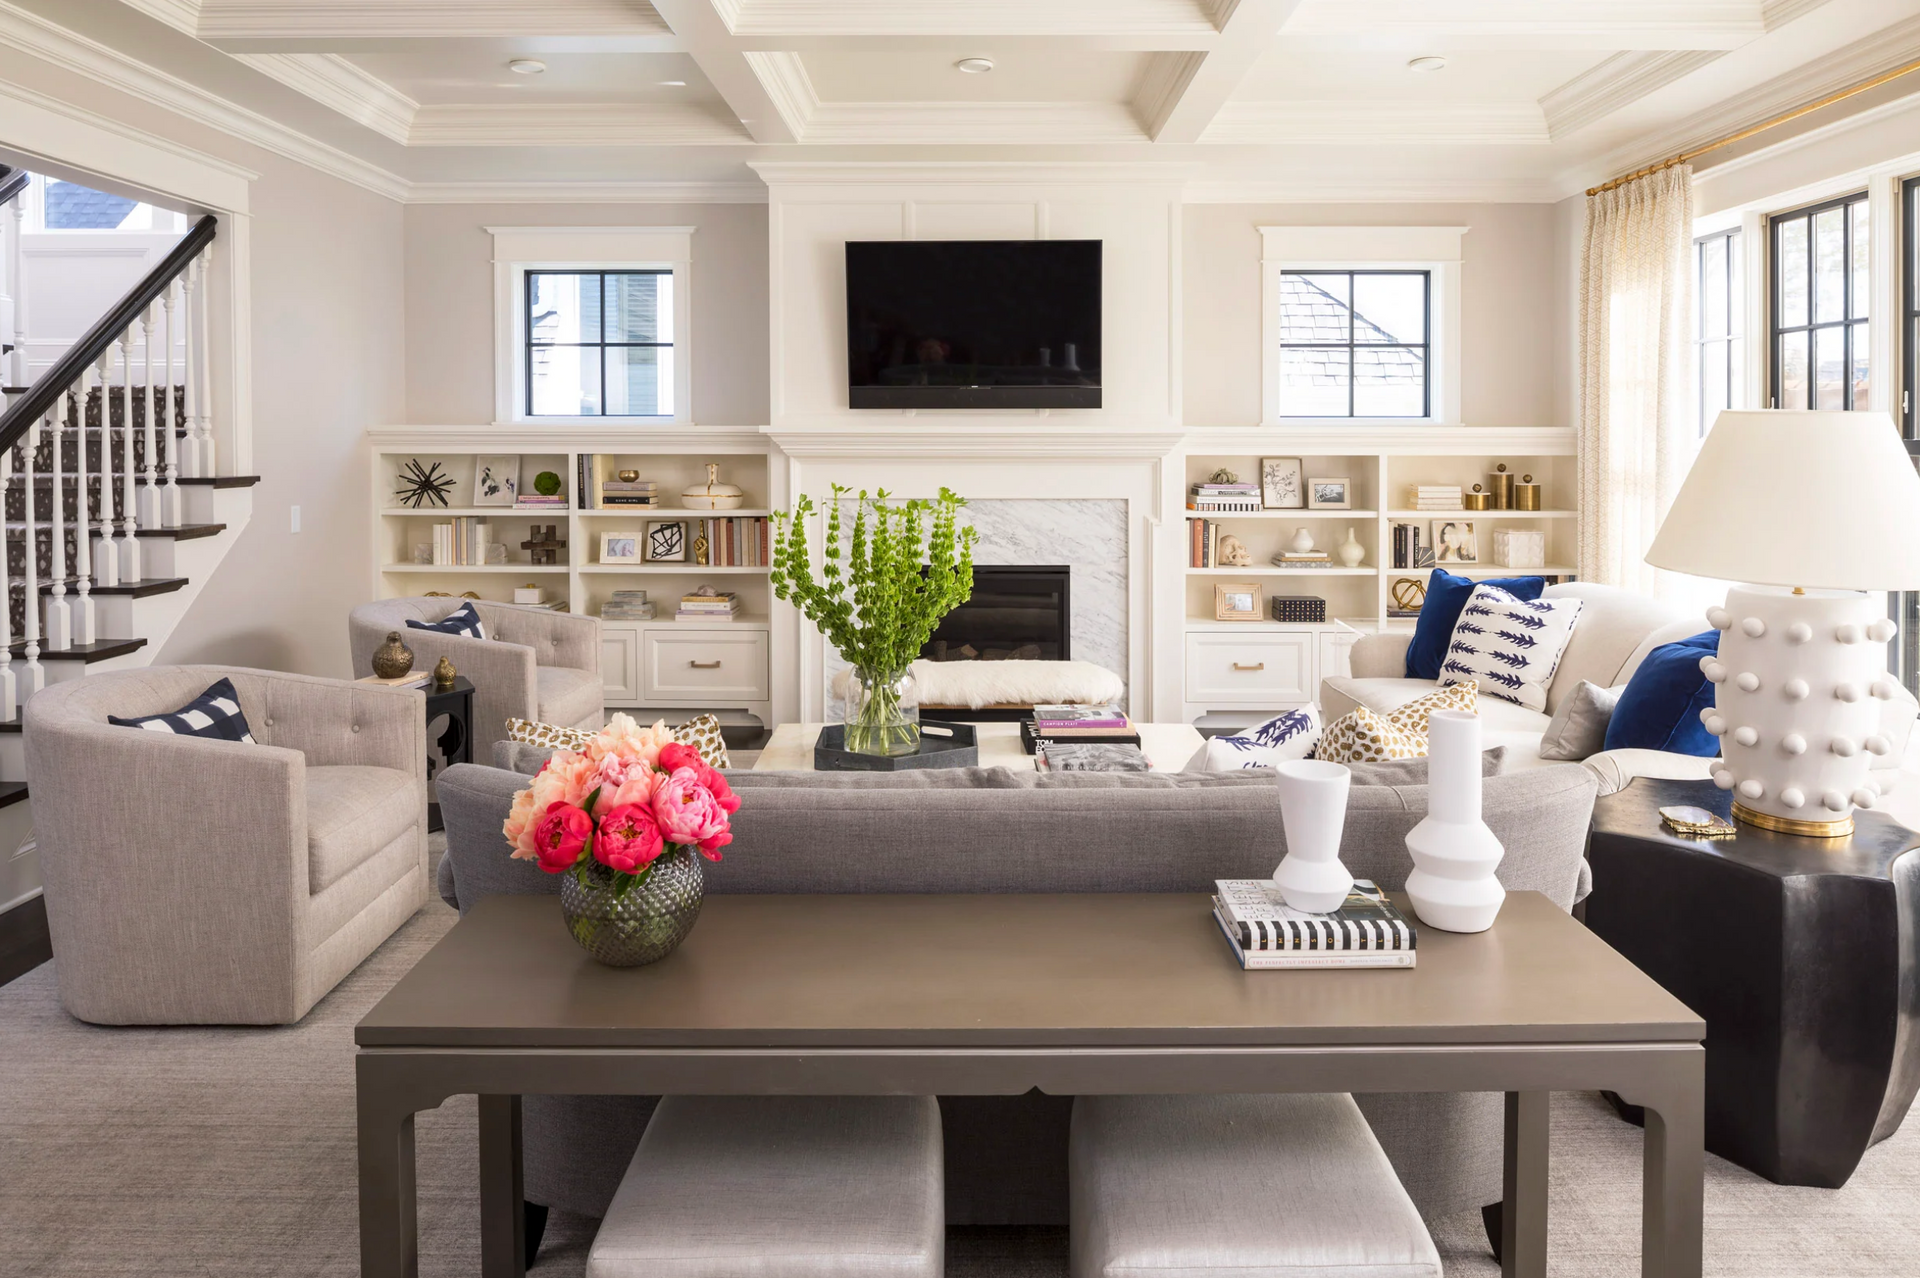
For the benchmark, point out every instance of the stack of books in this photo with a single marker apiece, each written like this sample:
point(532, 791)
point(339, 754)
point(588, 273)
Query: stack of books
point(1236, 497)
point(462, 542)
point(739, 542)
point(1303, 559)
point(1203, 543)
point(1265, 932)
point(641, 493)
point(723, 606)
point(1077, 725)
point(534, 501)
point(628, 605)
point(1089, 756)
point(1436, 497)
point(1409, 547)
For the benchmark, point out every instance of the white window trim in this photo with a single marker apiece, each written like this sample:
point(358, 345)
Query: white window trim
point(1434, 249)
point(519, 249)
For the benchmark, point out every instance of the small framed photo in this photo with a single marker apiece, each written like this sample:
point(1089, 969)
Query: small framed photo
point(1280, 483)
point(1454, 542)
point(496, 481)
point(667, 542)
point(1236, 601)
point(1330, 494)
point(620, 548)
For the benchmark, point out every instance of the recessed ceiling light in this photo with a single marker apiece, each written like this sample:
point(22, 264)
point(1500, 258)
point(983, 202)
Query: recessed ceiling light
point(527, 66)
point(673, 84)
point(974, 66)
point(1427, 64)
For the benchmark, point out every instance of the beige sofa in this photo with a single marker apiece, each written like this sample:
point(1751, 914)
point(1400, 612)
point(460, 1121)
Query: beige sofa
point(1616, 631)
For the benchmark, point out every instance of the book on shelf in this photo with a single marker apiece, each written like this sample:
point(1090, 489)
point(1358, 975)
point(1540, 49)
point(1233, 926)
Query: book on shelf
point(1073, 716)
point(1265, 932)
point(412, 679)
point(1407, 544)
point(1224, 505)
point(463, 542)
point(1089, 756)
point(535, 501)
point(1203, 543)
point(740, 541)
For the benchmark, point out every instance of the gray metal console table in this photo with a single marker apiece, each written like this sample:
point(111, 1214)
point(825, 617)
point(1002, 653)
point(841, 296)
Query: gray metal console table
point(995, 995)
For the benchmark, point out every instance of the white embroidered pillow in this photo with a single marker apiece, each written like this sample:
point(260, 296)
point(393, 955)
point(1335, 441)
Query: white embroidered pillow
point(1508, 646)
point(1362, 736)
point(1288, 736)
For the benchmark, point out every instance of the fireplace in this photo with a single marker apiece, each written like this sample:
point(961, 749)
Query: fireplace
point(1018, 612)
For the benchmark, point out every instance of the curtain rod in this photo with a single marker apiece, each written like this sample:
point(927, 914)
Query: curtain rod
point(1762, 127)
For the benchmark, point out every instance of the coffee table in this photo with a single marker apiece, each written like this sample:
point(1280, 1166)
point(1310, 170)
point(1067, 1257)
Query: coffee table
point(996, 995)
point(1167, 746)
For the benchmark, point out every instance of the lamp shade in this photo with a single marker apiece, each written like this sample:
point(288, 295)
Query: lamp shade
point(1796, 498)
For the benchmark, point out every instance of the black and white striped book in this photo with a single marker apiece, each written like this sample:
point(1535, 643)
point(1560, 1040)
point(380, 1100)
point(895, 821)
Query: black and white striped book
point(1259, 960)
point(1262, 922)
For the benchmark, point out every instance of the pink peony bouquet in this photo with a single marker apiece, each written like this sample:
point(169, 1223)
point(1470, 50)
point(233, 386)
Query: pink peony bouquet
point(623, 799)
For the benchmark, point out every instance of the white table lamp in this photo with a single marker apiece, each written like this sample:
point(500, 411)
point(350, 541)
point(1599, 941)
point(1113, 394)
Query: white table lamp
point(1809, 511)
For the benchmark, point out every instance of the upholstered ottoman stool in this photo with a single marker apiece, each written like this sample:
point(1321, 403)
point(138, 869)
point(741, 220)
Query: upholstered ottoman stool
point(780, 1187)
point(1255, 1186)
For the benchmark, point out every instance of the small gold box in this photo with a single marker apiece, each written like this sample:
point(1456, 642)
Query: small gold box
point(1476, 500)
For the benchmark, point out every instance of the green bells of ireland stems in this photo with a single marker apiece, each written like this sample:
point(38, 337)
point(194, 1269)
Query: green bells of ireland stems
point(878, 599)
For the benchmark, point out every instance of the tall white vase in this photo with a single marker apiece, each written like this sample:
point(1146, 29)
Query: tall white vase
point(1313, 808)
point(1454, 853)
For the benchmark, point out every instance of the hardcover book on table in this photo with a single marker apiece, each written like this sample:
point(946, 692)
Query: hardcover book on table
point(1265, 932)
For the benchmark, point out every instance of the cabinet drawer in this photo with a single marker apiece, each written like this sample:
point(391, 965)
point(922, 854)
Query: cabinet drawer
point(1259, 669)
point(725, 665)
point(620, 664)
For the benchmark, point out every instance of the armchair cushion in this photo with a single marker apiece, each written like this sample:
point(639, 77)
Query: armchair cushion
point(461, 621)
point(214, 714)
point(352, 813)
point(569, 697)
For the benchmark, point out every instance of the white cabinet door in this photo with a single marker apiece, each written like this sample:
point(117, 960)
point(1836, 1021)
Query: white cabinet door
point(620, 663)
point(1336, 652)
point(1267, 668)
point(704, 666)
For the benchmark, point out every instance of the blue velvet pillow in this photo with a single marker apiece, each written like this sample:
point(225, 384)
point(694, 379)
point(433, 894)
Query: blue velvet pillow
point(1446, 596)
point(1660, 707)
point(461, 621)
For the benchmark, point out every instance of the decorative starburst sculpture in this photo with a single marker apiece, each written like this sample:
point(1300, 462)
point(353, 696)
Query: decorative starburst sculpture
point(419, 485)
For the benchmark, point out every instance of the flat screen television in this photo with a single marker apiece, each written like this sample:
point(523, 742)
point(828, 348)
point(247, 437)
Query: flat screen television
point(973, 323)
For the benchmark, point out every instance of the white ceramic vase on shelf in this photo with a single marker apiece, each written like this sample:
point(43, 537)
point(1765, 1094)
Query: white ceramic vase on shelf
point(1351, 552)
point(1313, 808)
point(1454, 853)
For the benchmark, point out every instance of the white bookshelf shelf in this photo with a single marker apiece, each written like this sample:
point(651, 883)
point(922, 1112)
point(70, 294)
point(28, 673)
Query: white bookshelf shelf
point(1283, 572)
point(699, 570)
point(1282, 514)
point(1487, 570)
point(475, 568)
point(1412, 515)
point(668, 512)
point(445, 512)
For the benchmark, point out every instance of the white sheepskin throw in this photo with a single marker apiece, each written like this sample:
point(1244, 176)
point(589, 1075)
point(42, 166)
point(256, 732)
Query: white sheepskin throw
point(978, 684)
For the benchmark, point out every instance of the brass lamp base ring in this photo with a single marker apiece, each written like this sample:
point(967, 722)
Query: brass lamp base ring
point(1790, 825)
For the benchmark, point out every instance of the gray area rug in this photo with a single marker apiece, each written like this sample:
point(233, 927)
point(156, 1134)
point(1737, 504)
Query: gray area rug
point(229, 1153)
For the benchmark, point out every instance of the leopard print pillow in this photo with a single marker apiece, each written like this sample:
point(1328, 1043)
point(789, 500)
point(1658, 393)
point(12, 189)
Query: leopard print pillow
point(1411, 718)
point(702, 732)
point(550, 735)
point(1362, 736)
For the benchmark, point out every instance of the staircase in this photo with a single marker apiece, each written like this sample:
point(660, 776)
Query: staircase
point(115, 511)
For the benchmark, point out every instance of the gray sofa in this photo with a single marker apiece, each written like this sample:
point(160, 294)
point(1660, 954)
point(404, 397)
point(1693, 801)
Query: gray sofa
point(935, 832)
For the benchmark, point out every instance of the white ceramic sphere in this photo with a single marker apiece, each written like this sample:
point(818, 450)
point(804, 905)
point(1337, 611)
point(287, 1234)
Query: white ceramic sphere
point(1719, 618)
point(1877, 744)
point(1844, 747)
point(1716, 726)
point(1795, 689)
point(1746, 735)
point(1751, 789)
point(1848, 633)
point(1848, 692)
point(1713, 670)
point(1863, 798)
point(1723, 779)
point(1793, 743)
point(1883, 630)
point(1792, 798)
point(1799, 632)
point(1834, 801)
point(1747, 681)
point(1754, 627)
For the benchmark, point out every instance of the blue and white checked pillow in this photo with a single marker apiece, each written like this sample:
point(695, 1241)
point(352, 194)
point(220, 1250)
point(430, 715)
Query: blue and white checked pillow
point(214, 714)
point(1289, 736)
point(461, 621)
point(1509, 647)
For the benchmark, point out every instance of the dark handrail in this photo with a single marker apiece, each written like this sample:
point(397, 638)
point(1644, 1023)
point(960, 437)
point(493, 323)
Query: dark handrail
point(12, 182)
point(86, 352)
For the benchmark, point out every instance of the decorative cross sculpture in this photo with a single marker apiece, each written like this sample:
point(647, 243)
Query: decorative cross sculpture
point(544, 544)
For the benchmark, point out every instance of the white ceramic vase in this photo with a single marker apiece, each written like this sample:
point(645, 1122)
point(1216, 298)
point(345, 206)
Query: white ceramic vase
point(1313, 808)
point(1302, 542)
point(1351, 552)
point(1454, 853)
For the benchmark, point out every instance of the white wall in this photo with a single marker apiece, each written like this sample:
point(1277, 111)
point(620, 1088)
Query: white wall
point(1509, 324)
point(71, 278)
point(449, 303)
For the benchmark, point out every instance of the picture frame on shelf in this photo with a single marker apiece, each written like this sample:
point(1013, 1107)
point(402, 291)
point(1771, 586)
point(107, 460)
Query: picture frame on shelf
point(1330, 494)
point(620, 547)
point(1280, 483)
point(496, 480)
point(666, 542)
point(1236, 601)
point(1455, 542)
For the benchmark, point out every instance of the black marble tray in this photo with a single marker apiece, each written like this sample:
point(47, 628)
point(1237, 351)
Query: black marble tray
point(961, 749)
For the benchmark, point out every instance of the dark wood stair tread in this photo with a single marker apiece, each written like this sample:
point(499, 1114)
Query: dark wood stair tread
point(138, 589)
point(185, 532)
point(12, 792)
point(99, 650)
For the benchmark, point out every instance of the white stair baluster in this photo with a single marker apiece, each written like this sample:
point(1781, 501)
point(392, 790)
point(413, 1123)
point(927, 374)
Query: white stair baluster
point(35, 678)
point(168, 457)
point(59, 622)
point(129, 543)
point(149, 491)
point(16, 276)
point(103, 560)
point(205, 456)
point(81, 607)
point(190, 292)
point(9, 699)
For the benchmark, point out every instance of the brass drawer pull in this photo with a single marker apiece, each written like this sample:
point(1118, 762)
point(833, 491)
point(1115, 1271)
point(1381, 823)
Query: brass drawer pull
point(704, 665)
point(1258, 665)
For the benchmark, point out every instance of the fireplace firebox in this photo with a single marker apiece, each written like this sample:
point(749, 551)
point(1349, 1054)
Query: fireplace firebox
point(1017, 613)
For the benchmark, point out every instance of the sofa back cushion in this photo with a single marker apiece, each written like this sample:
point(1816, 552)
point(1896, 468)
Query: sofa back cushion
point(1613, 624)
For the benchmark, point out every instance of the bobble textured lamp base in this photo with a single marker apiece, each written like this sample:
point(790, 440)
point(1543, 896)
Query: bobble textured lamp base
point(1798, 683)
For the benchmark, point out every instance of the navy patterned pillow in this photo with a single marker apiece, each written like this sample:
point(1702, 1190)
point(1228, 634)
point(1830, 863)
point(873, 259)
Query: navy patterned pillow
point(461, 621)
point(1288, 736)
point(214, 714)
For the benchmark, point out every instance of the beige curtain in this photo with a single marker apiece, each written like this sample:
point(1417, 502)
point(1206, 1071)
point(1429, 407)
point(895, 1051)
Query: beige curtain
point(1636, 372)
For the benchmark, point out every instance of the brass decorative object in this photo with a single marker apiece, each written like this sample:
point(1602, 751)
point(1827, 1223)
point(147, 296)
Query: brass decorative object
point(1408, 594)
point(470, 594)
point(1500, 485)
point(629, 476)
point(1476, 500)
point(700, 550)
point(393, 658)
point(443, 675)
point(1526, 494)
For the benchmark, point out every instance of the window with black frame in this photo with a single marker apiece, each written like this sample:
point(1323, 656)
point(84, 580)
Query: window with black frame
point(1820, 291)
point(599, 343)
point(1903, 653)
point(1355, 344)
point(1721, 302)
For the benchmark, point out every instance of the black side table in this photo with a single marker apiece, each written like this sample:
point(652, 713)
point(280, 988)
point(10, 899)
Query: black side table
point(1800, 953)
point(455, 742)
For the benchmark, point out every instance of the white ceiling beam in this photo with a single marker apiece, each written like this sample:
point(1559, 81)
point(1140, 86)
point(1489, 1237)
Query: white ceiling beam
point(973, 18)
point(181, 15)
point(789, 87)
point(1618, 82)
point(1603, 25)
point(586, 124)
point(223, 20)
point(1356, 123)
point(1183, 93)
point(335, 82)
point(704, 31)
point(972, 123)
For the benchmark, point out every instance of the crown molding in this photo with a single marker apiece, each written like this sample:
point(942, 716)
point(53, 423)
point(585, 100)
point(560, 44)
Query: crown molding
point(1775, 14)
point(587, 193)
point(975, 123)
point(473, 19)
point(1031, 435)
point(181, 15)
point(966, 18)
point(334, 82)
point(784, 77)
point(70, 51)
point(1350, 123)
point(1585, 24)
point(1316, 189)
point(573, 124)
point(1621, 80)
point(780, 174)
point(1166, 80)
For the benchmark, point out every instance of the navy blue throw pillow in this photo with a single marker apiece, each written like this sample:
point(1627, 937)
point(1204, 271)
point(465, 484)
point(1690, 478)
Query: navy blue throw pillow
point(1660, 707)
point(1446, 596)
point(214, 714)
point(461, 621)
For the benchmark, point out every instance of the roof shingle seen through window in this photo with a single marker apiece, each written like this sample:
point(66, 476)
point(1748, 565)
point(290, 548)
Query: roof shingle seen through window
point(72, 207)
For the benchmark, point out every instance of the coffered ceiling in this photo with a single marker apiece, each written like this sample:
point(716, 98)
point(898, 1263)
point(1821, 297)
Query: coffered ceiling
point(1281, 99)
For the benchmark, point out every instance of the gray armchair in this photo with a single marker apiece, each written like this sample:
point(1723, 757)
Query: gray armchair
point(533, 664)
point(193, 881)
